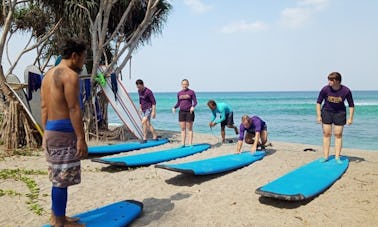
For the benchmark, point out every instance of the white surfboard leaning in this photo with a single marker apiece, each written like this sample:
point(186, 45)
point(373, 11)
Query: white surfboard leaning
point(124, 107)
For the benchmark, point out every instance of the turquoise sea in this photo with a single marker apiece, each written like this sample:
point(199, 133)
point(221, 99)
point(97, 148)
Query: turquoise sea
point(290, 116)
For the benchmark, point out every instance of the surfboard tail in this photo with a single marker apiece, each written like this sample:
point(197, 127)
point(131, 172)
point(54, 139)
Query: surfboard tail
point(296, 197)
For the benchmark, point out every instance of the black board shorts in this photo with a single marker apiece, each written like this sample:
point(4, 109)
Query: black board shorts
point(336, 118)
point(229, 119)
point(186, 116)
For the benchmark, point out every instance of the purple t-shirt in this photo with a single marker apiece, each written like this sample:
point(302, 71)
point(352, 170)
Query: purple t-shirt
point(257, 125)
point(186, 99)
point(334, 100)
point(146, 99)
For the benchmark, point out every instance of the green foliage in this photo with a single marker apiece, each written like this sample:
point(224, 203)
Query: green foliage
point(23, 176)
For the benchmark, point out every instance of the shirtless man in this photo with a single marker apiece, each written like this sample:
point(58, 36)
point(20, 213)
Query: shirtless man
point(64, 139)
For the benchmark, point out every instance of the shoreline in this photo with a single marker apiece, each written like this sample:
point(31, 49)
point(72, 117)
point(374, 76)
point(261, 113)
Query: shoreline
point(228, 199)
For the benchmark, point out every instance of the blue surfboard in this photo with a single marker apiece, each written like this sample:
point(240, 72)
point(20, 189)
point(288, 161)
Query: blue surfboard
point(215, 165)
point(306, 181)
point(124, 147)
point(153, 157)
point(117, 214)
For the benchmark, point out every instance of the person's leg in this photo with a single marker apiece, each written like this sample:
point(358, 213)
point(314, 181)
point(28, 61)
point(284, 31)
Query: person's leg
point(338, 133)
point(223, 133)
point(151, 128)
point(189, 126)
point(249, 138)
point(145, 126)
point(327, 133)
point(59, 204)
point(264, 137)
point(183, 132)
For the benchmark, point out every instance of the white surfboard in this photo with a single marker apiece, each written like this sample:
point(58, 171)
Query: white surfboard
point(29, 114)
point(35, 102)
point(124, 106)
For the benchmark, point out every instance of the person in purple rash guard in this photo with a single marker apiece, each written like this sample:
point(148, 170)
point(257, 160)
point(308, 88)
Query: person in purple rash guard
point(256, 133)
point(333, 113)
point(147, 109)
point(186, 100)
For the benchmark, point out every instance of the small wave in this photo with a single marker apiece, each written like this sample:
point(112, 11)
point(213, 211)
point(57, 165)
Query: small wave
point(366, 103)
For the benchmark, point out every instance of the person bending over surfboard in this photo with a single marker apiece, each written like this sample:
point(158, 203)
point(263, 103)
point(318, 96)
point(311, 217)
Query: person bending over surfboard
point(186, 100)
point(64, 139)
point(147, 109)
point(226, 117)
point(333, 112)
point(256, 133)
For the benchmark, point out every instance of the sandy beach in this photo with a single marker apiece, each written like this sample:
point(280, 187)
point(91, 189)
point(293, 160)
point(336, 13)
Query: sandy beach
point(229, 199)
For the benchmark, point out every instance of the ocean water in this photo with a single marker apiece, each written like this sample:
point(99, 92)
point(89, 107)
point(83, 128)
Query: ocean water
point(290, 116)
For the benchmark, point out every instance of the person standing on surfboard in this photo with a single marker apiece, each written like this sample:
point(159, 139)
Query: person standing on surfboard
point(186, 100)
point(256, 133)
point(226, 117)
point(147, 108)
point(64, 139)
point(333, 112)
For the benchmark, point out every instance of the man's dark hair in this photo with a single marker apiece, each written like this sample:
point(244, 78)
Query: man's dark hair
point(139, 82)
point(71, 46)
point(211, 103)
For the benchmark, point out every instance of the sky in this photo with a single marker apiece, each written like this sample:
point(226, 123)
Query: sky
point(265, 45)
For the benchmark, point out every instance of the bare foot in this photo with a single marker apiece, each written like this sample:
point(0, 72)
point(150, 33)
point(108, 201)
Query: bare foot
point(67, 220)
point(63, 222)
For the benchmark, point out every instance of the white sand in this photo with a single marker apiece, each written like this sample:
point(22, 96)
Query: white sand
point(174, 199)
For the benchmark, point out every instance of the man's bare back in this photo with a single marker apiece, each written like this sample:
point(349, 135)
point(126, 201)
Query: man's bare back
point(60, 84)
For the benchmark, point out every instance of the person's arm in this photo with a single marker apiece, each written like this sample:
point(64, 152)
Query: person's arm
point(239, 146)
point(351, 114)
point(222, 114)
point(194, 102)
point(153, 101)
point(43, 108)
point(351, 108)
point(257, 139)
point(177, 103)
point(319, 101)
point(318, 113)
point(241, 138)
point(71, 93)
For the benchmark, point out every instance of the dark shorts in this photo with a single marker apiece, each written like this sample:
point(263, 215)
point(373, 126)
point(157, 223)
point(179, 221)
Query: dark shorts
point(336, 118)
point(250, 135)
point(186, 116)
point(229, 119)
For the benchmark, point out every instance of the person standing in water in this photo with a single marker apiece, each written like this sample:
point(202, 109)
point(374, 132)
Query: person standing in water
point(186, 100)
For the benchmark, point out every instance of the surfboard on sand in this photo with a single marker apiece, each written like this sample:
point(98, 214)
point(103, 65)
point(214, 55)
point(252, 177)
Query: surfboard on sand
point(117, 214)
point(154, 157)
point(306, 181)
point(215, 165)
point(35, 101)
point(124, 147)
point(124, 107)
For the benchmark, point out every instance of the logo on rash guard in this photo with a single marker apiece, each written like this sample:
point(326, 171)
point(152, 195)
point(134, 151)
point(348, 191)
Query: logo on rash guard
point(184, 97)
point(334, 99)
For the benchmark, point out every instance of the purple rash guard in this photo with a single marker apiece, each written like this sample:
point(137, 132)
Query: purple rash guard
point(186, 99)
point(146, 99)
point(334, 100)
point(257, 125)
